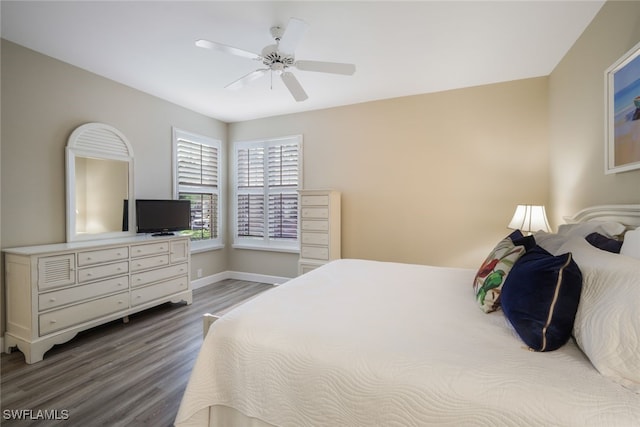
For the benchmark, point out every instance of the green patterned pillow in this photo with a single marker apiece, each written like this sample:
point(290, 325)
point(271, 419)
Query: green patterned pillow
point(493, 272)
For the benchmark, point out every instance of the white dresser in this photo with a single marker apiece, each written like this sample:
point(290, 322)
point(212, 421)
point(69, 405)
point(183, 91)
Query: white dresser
point(319, 228)
point(55, 291)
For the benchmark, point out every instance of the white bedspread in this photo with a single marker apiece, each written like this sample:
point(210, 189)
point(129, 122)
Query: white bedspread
point(364, 343)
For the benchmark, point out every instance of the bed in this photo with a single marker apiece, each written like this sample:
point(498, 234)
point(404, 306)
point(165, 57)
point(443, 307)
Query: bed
point(367, 343)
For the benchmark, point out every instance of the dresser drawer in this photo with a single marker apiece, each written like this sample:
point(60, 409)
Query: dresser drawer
point(144, 263)
point(80, 313)
point(315, 213)
point(149, 293)
point(79, 293)
point(139, 279)
point(103, 255)
point(100, 271)
point(315, 238)
point(313, 225)
point(315, 200)
point(149, 249)
point(315, 252)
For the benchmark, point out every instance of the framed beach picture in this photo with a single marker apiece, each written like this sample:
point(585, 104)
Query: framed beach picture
point(622, 110)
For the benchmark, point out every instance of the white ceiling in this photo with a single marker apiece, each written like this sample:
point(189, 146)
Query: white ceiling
point(399, 48)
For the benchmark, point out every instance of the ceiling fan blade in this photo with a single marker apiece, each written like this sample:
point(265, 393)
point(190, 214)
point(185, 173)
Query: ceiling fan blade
point(326, 67)
point(294, 86)
point(292, 35)
point(245, 80)
point(206, 44)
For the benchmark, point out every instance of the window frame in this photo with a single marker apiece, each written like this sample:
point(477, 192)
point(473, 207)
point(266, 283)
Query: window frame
point(265, 243)
point(179, 134)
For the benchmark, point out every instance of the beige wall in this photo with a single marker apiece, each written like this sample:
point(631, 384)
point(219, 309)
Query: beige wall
point(430, 179)
point(576, 110)
point(43, 101)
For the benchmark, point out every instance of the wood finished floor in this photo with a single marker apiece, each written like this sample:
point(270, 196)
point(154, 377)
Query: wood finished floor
point(119, 374)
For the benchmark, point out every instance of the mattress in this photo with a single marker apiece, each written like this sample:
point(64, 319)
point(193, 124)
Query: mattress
point(365, 343)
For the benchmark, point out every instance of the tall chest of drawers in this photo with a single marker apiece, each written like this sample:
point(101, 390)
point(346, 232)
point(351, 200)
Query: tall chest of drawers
point(319, 228)
point(56, 291)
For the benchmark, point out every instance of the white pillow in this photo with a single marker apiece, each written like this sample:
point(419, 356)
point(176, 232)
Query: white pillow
point(550, 242)
point(583, 229)
point(631, 244)
point(607, 324)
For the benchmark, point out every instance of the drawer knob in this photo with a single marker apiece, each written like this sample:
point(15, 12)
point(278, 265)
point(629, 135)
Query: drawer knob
point(120, 301)
point(138, 265)
point(89, 274)
point(88, 258)
point(53, 321)
point(52, 299)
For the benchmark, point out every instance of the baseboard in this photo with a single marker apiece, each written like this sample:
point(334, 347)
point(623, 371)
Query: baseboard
point(237, 275)
point(262, 278)
point(210, 280)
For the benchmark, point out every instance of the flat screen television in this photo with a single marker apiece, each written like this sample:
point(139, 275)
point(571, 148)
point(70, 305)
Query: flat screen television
point(162, 217)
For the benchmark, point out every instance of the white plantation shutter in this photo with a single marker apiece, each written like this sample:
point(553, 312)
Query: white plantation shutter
point(283, 166)
point(197, 177)
point(251, 215)
point(250, 167)
point(267, 178)
point(283, 178)
point(283, 216)
point(197, 164)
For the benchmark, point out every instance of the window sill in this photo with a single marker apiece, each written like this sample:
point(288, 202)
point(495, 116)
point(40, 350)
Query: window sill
point(197, 247)
point(293, 250)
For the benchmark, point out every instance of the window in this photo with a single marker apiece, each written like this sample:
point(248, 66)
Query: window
point(197, 172)
point(267, 176)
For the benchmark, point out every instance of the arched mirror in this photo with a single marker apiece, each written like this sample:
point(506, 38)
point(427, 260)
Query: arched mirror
point(99, 166)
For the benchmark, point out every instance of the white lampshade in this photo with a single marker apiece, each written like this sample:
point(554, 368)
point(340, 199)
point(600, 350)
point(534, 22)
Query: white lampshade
point(529, 218)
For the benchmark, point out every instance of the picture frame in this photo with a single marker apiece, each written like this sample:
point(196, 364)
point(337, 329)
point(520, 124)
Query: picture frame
point(622, 113)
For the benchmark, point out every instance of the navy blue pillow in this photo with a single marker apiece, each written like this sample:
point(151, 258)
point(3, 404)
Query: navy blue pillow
point(540, 298)
point(603, 242)
point(519, 239)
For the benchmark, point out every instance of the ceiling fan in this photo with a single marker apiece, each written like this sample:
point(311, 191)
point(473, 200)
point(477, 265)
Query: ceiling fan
point(279, 57)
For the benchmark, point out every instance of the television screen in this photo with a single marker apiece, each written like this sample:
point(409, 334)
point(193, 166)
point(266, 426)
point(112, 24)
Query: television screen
point(162, 216)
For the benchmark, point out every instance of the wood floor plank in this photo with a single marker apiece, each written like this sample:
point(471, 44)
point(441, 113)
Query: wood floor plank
point(119, 374)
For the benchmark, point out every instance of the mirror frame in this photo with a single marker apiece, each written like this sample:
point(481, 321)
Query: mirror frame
point(97, 141)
